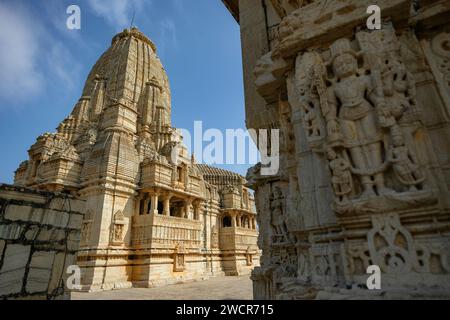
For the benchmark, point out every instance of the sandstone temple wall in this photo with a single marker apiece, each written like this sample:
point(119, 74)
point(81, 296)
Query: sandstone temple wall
point(39, 238)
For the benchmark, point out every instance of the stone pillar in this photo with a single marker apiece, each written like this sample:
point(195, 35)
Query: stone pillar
point(188, 209)
point(137, 205)
point(197, 210)
point(154, 204)
point(167, 205)
point(146, 201)
point(233, 220)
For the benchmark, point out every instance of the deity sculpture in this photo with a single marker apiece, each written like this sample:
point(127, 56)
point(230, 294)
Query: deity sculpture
point(348, 101)
point(311, 120)
point(178, 258)
point(277, 218)
point(85, 231)
point(404, 162)
point(399, 88)
point(118, 230)
point(118, 227)
point(341, 175)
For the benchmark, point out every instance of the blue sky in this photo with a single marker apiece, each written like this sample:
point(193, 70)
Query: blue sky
point(43, 65)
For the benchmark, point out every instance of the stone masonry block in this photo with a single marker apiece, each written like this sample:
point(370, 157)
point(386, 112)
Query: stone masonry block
point(51, 235)
point(77, 206)
point(75, 221)
point(45, 234)
point(69, 205)
point(10, 231)
point(36, 215)
point(58, 272)
point(13, 269)
point(56, 218)
point(31, 233)
point(58, 235)
point(11, 282)
point(18, 213)
point(40, 272)
point(73, 241)
point(60, 204)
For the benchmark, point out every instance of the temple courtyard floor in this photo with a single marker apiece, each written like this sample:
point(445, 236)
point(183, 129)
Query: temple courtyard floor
point(220, 288)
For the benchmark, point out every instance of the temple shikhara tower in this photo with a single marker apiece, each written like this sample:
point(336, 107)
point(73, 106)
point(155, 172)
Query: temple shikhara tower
point(364, 117)
point(152, 215)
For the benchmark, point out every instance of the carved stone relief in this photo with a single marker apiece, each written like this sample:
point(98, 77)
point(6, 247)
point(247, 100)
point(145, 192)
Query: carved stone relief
point(178, 258)
point(118, 228)
point(361, 92)
point(364, 165)
point(86, 228)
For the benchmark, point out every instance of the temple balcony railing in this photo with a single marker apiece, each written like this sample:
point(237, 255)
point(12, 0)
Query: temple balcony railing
point(236, 202)
point(227, 238)
point(165, 232)
point(237, 238)
point(167, 177)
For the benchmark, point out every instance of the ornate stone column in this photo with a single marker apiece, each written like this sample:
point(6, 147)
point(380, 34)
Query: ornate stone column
point(154, 203)
point(233, 219)
point(146, 203)
point(188, 208)
point(137, 204)
point(167, 204)
point(238, 220)
point(196, 206)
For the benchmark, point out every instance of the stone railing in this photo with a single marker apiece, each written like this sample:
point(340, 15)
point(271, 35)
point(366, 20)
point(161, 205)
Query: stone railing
point(166, 231)
point(226, 238)
point(232, 238)
point(161, 175)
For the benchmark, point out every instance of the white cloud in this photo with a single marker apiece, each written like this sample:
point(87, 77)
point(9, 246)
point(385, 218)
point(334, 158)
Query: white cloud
point(31, 57)
point(18, 56)
point(63, 65)
point(118, 13)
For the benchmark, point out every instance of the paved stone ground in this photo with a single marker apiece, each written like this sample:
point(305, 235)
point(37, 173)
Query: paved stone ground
point(220, 288)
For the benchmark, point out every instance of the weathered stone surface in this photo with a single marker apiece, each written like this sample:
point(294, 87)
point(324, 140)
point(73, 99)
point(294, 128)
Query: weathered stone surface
point(15, 260)
point(29, 253)
point(58, 272)
point(11, 282)
point(73, 240)
point(10, 231)
point(2, 247)
point(56, 218)
point(16, 257)
point(75, 221)
point(363, 116)
point(39, 273)
point(16, 212)
point(32, 233)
